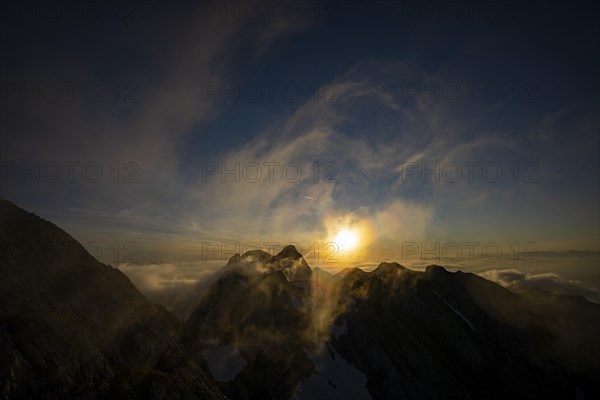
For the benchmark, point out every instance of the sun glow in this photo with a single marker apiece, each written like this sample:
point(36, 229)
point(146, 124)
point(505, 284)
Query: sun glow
point(346, 239)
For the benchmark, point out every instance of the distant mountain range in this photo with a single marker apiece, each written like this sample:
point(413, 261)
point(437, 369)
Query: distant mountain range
point(270, 327)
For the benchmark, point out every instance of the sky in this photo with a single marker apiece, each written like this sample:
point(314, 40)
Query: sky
point(466, 133)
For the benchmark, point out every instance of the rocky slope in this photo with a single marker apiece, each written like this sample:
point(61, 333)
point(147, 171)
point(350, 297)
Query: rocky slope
point(72, 327)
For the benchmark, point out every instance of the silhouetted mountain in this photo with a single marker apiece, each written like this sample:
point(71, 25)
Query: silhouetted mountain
point(253, 318)
point(270, 327)
point(72, 327)
point(390, 333)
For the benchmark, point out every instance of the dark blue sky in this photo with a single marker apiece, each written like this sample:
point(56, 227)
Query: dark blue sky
point(387, 88)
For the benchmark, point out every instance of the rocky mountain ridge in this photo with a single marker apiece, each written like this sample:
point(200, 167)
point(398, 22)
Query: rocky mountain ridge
point(72, 327)
point(269, 326)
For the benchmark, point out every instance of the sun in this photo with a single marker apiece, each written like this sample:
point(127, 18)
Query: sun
point(346, 239)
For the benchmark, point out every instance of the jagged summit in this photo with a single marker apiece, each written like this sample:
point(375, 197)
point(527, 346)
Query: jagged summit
point(235, 259)
point(289, 251)
point(289, 261)
point(387, 267)
point(436, 269)
point(257, 256)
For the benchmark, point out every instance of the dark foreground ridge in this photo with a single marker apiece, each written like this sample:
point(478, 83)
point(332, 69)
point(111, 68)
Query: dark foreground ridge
point(74, 328)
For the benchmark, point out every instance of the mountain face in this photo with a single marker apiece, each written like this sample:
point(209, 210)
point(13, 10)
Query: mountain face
point(391, 333)
point(255, 314)
point(72, 327)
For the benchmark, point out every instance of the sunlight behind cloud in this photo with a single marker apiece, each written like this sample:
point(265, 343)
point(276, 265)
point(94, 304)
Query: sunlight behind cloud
point(347, 239)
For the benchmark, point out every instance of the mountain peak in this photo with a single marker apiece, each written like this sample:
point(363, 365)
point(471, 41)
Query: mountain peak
point(386, 267)
point(289, 251)
point(435, 269)
point(235, 259)
point(256, 255)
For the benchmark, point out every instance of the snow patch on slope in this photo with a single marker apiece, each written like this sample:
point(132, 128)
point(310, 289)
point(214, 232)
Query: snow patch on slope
point(456, 311)
point(335, 379)
point(224, 362)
